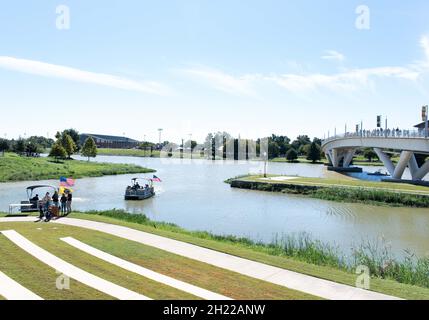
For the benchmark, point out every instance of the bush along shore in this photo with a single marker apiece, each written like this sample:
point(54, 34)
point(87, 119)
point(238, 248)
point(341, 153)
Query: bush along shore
point(17, 168)
point(377, 256)
point(336, 193)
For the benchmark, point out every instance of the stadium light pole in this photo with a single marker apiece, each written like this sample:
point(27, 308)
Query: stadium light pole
point(426, 121)
point(265, 164)
point(160, 133)
point(190, 141)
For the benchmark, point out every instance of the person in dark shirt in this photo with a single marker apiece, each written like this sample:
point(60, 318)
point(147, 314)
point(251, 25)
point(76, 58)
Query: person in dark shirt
point(35, 201)
point(69, 202)
point(56, 199)
point(63, 204)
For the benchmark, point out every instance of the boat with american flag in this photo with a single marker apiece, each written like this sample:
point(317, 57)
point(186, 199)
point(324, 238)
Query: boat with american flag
point(141, 192)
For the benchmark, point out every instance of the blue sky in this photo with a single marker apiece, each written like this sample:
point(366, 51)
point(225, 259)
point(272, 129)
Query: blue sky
point(247, 67)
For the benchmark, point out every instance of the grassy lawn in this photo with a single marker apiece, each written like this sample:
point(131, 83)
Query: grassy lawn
point(261, 253)
point(300, 159)
point(16, 168)
point(38, 277)
point(211, 278)
point(346, 182)
point(41, 279)
point(339, 189)
point(127, 152)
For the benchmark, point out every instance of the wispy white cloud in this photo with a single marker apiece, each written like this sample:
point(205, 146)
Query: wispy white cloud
point(333, 55)
point(68, 73)
point(347, 79)
point(237, 85)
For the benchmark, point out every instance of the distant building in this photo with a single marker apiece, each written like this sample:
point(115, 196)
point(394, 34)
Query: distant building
point(115, 142)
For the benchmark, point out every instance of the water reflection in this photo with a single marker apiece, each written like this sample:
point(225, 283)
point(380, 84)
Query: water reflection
point(193, 195)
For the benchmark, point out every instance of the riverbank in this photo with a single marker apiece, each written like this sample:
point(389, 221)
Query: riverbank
point(16, 168)
point(128, 153)
point(301, 255)
point(342, 190)
point(357, 161)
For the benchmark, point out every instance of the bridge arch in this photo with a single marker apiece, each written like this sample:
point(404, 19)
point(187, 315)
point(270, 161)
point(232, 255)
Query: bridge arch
point(341, 149)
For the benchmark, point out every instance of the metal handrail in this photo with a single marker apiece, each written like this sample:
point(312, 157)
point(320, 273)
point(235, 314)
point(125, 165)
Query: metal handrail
point(378, 133)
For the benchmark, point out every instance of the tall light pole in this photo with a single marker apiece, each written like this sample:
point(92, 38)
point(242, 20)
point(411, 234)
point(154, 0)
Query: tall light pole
point(160, 133)
point(144, 145)
point(265, 164)
point(425, 108)
point(190, 141)
point(385, 128)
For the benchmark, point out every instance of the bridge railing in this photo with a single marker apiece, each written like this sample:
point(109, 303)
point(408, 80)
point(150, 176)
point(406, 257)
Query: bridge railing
point(379, 133)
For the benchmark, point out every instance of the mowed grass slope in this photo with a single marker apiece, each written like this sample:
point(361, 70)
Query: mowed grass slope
point(259, 253)
point(38, 277)
point(16, 168)
point(25, 269)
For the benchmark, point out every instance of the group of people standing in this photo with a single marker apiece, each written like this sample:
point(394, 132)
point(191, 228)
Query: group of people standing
point(53, 205)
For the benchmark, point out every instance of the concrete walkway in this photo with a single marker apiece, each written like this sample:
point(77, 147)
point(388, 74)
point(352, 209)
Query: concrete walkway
point(11, 290)
point(73, 272)
point(293, 280)
point(196, 291)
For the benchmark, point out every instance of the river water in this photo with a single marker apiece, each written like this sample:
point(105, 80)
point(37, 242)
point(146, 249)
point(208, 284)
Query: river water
point(194, 196)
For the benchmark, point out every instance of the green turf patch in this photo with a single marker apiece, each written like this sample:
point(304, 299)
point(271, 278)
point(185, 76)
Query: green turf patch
point(341, 190)
point(257, 252)
point(194, 272)
point(16, 168)
point(38, 277)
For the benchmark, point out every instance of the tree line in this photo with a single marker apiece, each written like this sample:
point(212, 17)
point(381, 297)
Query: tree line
point(66, 144)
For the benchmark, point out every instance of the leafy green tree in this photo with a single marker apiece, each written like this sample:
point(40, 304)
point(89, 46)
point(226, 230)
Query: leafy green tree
point(32, 149)
point(68, 145)
point(283, 143)
point(318, 141)
point(4, 146)
point(304, 149)
point(273, 149)
point(89, 148)
point(291, 155)
point(314, 152)
point(300, 142)
point(58, 151)
point(146, 145)
point(40, 141)
point(369, 154)
point(74, 134)
point(19, 146)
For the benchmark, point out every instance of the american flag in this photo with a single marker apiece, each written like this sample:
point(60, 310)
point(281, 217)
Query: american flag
point(66, 182)
point(156, 179)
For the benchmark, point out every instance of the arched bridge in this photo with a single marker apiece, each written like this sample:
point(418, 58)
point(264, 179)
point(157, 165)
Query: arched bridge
point(341, 149)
